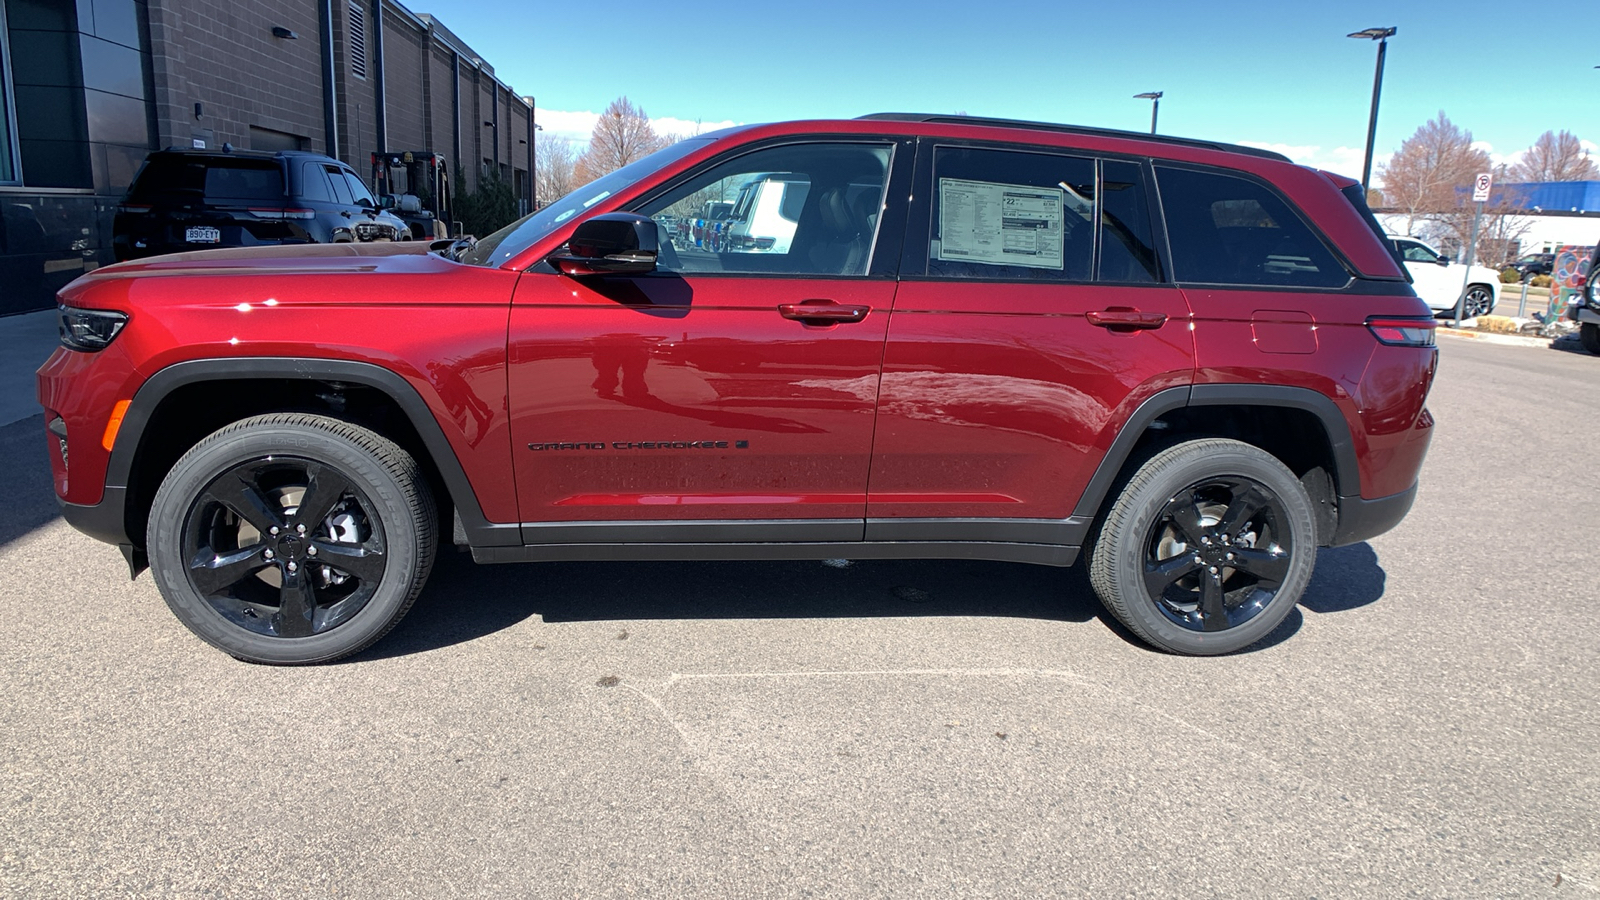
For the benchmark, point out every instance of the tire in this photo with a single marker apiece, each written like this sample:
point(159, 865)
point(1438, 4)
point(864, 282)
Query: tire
point(247, 571)
point(1179, 508)
point(1480, 301)
point(1589, 334)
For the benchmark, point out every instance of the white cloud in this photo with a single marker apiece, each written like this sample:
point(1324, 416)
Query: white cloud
point(1340, 160)
point(577, 126)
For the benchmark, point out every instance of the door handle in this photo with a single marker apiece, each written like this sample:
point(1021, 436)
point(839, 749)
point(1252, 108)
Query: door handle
point(822, 311)
point(1129, 319)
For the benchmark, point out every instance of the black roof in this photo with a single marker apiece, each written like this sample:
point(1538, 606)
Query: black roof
point(1076, 129)
point(243, 154)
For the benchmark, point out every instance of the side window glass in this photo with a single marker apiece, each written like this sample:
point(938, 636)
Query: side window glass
point(341, 188)
point(1009, 214)
point(314, 184)
point(1127, 249)
point(1415, 252)
point(800, 209)
point(358, 191)
point(1229, 230)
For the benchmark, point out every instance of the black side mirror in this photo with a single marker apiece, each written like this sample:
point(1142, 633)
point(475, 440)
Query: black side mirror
point(610, 244)
point(1443, 261)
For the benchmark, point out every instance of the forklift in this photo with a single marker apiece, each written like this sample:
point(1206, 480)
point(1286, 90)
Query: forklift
point(415, 186)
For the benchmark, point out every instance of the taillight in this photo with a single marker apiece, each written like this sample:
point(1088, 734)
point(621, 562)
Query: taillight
point(1399, 331)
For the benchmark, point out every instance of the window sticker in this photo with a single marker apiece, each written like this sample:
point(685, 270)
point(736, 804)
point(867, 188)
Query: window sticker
point(1000, 224)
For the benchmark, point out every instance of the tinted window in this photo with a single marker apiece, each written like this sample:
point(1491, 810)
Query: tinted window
point(219, 179)
point(1127, 249)
point(341, 188)
point(797, 209)
point(1008, 214)
point(1229, 230)
point(314, 184)
point(358, 191)
point(244, 181)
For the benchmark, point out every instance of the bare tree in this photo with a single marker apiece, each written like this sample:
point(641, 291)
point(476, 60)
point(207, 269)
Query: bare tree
point(554, 167)
point(1555, 157)
point(622, 136)
point(1425, 179)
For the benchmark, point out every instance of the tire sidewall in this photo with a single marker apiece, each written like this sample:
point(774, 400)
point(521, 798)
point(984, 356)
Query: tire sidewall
point(1145, 502)
point(228, 448)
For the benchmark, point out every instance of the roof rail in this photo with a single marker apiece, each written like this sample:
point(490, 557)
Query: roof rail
point(1075, 129)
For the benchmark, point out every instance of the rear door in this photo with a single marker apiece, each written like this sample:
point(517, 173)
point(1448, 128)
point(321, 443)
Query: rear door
point(1032, 318)
point(728, 396)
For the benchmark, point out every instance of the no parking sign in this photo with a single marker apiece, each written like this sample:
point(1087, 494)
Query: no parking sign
point(1480, 187)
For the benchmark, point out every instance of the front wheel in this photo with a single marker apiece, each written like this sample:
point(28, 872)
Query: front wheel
point(1207, 549)
point(1479, 301)
point(292, 538)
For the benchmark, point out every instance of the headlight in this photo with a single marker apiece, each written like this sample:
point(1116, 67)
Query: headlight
point(88, 329)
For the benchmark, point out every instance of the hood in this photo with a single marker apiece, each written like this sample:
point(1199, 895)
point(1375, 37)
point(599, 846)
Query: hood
point(388, 256)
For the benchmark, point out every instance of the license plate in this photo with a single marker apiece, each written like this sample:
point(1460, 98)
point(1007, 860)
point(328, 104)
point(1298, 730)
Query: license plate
point(203, 235)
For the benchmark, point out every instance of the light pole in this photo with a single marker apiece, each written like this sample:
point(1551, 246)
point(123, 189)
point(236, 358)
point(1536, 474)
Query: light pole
point(1381, 35)
point(1155, 105)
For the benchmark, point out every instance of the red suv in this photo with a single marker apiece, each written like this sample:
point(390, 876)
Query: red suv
point(1192, 363)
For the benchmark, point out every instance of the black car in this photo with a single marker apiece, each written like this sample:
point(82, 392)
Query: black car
point(198, 199)
point(1535, 264)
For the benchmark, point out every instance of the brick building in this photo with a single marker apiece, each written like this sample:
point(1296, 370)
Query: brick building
point(91, 86)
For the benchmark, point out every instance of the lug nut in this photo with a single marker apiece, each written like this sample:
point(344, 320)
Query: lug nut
point(1205, 540)
point(267, 554)
point(312, 551)
point(1198, 559)
point(293, 567)
point(272, 530)
point(1230, 555)
point(1213, 568)
point(300, 528)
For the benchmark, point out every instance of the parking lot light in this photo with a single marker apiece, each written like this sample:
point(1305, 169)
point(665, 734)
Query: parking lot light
point(1155, 105)
point(1381, 35)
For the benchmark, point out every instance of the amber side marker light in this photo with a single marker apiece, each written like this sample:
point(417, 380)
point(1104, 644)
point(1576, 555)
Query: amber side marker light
point(117, 412)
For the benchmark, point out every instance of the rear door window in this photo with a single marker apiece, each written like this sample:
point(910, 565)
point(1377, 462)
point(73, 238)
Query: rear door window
point(341, 188)
point(1230, 230)
point(1007, 214)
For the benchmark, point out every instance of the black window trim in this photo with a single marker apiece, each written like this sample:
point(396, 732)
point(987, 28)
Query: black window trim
point(1352, 274)
point(914, 253)
point(883, 261)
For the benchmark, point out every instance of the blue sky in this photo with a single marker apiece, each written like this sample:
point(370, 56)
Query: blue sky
point(1278, 74)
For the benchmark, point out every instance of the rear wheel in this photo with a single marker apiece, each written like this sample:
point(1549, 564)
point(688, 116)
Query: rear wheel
point(292, 538)
point(1207, 549)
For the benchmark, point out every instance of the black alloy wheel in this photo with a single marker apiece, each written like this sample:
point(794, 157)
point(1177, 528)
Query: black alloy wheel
point(1217, 554)
point(284, 546)
point(292, 538)
point(1207, 548)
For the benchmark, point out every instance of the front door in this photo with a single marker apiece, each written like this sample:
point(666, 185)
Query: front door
point(729, 396)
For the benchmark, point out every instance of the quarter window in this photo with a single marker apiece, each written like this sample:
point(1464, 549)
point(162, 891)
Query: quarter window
point(801, 209)
point(1229, 230)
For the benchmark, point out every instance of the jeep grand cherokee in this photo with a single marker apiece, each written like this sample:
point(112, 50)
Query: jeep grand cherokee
point(1189, 363)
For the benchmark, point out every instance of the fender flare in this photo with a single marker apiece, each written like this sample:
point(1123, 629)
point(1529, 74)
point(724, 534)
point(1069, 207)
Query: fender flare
point(119, 469)
point(1346, 474)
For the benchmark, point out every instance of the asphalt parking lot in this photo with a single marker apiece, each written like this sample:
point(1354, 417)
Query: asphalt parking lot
point(1426, 724)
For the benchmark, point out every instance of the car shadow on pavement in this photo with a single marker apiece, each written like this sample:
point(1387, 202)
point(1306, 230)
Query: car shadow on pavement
point(29, 500)
point(465, 601)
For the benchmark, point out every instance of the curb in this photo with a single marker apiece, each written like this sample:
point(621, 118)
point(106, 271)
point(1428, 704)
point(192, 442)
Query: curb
point(1509, 339)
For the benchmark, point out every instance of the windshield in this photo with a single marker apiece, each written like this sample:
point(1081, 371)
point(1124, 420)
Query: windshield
point(523, 233)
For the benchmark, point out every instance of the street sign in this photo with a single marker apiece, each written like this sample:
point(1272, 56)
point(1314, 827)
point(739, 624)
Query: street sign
point(1480, 187)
